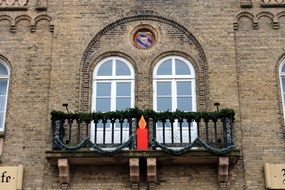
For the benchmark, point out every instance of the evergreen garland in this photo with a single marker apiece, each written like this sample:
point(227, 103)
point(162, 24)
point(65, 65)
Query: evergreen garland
point(147, 113)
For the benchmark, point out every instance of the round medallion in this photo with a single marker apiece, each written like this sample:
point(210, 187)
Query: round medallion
point(144, 38)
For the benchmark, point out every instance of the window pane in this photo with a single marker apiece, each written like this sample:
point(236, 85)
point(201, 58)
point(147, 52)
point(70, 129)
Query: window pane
point(3, 86)
point(184, 104)
point(3, 70)
point(184, 88)
point(126, 123)
point(164, 104)
point(1, 120)
point(2, 103)
point(100, 124)
point(123, 89)
point(283, 87)
point(105, 69)
point(123, 103)
point(181, 67)
point(185, 123)
point(283, 69)
point(122, 68)
point(163, 88)
point(103, 89)
point(103, 104)
point(165, 68)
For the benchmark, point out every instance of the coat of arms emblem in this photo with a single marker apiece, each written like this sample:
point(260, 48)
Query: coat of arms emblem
point(144, 39)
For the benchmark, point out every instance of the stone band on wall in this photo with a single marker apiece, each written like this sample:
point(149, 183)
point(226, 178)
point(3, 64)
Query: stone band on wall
point(13, 4)
point(273, 3)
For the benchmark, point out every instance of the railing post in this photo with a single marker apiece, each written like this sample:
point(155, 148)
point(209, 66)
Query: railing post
point(132, 132)
point(56, 129)
point(198, 127)
point(151, 131)
point(227, 123)
point(207, 130)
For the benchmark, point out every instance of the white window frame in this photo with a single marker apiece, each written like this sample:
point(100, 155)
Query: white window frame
point(173, 78)
point(113, 79)
point(282, 75)
point(7, 77)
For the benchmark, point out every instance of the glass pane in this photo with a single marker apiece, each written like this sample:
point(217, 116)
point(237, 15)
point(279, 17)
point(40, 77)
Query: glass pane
point(164, 104)
point(283, 69)
point(123, 103)
point(3, 86)
point(126, 123)
point(283, 84)
point(3, 70)
point(123, 89)
point(184, 104)
point(100, 124)
point(181, 67)
point(167, 124)
point(163, 88)
point(185, 123)
point(184, 88)
point(283, 87)
point(2, 103)
point(103, 89)
point(165, 68)
point(105, 69)
point(122, 68)
point(1, 120)
point(103, 104)
point(159, 124)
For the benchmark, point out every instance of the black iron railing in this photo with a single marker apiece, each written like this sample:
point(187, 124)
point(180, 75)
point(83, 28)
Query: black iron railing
point(172, 132)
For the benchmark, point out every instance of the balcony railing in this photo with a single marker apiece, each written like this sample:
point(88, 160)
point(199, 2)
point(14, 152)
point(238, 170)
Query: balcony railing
point(172, 132)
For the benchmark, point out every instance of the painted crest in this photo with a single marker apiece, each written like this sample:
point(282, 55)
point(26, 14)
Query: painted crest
point(144, 40)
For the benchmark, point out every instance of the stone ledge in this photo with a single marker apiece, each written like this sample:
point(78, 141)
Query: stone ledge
point(246, 3)
point(271, 3)
point(13, 8)
point(84, 157)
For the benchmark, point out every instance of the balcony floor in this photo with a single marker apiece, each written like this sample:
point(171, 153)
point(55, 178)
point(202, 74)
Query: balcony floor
point(87, 157)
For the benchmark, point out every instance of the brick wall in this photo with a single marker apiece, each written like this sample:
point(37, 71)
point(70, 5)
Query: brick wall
point(236, 66)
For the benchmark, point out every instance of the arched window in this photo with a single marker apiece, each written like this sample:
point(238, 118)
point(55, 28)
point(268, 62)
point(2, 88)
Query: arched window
point(174, 89)
point(174, 85)
point(113, 89)
point(4, 83)
point(282, 84)
point(113, 85)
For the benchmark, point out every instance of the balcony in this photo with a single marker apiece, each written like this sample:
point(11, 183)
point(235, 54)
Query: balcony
point(129, 136)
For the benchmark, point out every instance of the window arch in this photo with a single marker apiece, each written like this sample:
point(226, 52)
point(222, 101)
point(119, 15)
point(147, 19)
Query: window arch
point(174, 85)
point(282, 84)
point(113, 85)
point(4, 84)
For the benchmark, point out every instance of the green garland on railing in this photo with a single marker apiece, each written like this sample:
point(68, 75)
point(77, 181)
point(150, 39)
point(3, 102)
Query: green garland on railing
point(196, 143)
point(147, 113)
point(87, 143)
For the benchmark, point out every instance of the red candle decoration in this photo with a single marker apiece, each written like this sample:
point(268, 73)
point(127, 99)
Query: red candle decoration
point(142, 135)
